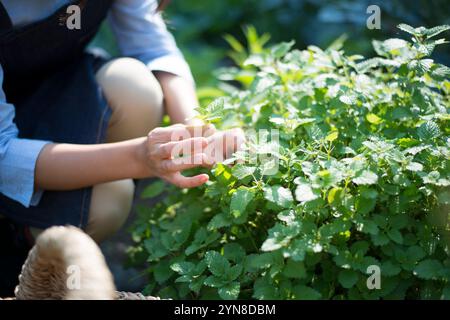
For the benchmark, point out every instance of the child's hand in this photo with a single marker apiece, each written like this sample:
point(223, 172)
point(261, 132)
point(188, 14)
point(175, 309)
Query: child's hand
point(222, 144)
point(171, 150)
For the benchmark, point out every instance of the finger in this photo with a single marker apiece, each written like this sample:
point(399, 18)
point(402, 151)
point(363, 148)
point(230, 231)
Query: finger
point(177, 148)
point(187, 182)
point(234, 140)
point(209, 130)
point(185, 163)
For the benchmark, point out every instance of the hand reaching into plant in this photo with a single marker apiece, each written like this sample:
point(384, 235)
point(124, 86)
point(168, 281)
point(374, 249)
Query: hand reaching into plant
point(171, 150)
point(222, 144)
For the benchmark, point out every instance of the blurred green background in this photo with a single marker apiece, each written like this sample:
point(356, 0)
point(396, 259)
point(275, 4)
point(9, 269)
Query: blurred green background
point(200, 25)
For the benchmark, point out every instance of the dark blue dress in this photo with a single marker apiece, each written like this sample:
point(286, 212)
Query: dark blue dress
point(50, 79)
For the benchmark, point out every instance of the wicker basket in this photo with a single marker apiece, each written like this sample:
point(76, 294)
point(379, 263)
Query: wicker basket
point(66, 264)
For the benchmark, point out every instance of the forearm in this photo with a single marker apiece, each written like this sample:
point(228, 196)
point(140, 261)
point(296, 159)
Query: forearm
point(180, 98)
point(71, 166)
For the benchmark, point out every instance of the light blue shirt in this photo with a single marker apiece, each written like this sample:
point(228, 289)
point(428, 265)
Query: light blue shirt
point(140, 33)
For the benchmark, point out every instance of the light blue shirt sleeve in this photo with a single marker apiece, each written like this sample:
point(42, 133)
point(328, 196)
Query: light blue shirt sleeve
point(142, 34)
point(17, 157)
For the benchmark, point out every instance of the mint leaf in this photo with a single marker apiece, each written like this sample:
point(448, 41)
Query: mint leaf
point(239, 201)
point(279, 195)
point(281, 49)
point(182, 267)
point(395, 235)
point(428, 269)
point(241, 171)
point(217, 263)
point(347, 278)
point(230, 291)
point(365, 177)
point(280, 236)
point(153, 190)
point(302, 292)
point(304, 193)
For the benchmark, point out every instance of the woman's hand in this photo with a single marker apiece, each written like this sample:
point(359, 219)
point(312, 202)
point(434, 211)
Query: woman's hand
point(222, 144)
point(170, 150)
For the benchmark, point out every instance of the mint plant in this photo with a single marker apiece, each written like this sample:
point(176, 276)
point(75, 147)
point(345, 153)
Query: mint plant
point(363, 180)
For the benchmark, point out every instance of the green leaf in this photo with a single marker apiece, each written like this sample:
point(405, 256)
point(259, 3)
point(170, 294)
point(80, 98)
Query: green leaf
point(365, 177)
point(202, 238)
point(368, 193)
point(414, 166)
point(155, 249)
point(365, 205)
point(334, 195)
point(294, 269)
point(280, 50)
point(302, 292)
point(428, 269)
point(234, 272)
point(348, 99)
point(241, 171)
point(230, 291)
point(153, 190)
point(415, 253)
point(287, 216)
point(234, 252)
point(296, 250)
point(380, 239)
point(389, 47)
point(389, 269)
point(234, 43)
point(279, 195)
point(217, 263)
point(373, 118)
point(280, 235)
point(214, 282)
point(219, 221)
point(347, 278)
point(263, 260)
point(162, 271)
point(240, 200)
point(264, 290)
point(434, 177)
point(197, 284)
point(334, 227)
point(182, 267)
point(305, 193)
point(359, 248)
point(428, 131)
point(395, 235)
point(368, 226)
point(436, 30)
point(213, 111)
point(332, 136)
point(407, 28)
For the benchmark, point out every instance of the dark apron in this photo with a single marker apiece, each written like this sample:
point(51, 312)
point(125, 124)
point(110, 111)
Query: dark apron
point(50, 79)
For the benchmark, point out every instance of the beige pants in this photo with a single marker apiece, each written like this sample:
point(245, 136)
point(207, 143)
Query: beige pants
point(136, 100)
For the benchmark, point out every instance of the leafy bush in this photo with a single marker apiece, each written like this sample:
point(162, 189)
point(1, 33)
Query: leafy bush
point(363, 153)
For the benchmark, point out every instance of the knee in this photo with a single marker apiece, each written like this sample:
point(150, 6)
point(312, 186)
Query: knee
point(133, 93)
point(110, 206)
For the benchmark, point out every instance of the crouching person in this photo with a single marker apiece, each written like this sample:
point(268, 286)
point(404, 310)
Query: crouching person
point(76, 128)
